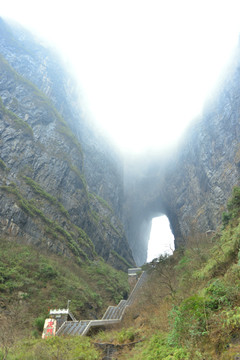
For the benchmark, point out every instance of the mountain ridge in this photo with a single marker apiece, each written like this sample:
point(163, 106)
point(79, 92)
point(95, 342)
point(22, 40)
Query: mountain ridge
point(190, 184)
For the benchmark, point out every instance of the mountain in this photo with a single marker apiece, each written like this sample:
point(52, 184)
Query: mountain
point(191, 182)
point(61, 185)
point(72, 208)
point(63, 181)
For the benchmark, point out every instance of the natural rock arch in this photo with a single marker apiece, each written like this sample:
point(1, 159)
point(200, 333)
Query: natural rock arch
point(191, 183)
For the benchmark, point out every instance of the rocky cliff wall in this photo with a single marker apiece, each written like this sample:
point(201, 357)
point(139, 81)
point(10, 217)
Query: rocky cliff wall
point(50, 184)
point(45, 69)
point(191, 183)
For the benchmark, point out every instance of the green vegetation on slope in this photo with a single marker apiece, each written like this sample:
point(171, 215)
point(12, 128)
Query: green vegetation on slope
point(3, 166)
point(98, 204)
point(189, 308)
point(17, 122)
point(40, 100)
point(119, 257)
point(35, 283)
point(79, 348)
point(39, 190)
point(76, 240)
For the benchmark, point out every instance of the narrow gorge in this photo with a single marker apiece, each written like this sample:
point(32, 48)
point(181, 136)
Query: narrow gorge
point(66, 188)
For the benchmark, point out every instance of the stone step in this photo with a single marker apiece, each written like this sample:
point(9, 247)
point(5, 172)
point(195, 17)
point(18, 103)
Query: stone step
point(112, 315)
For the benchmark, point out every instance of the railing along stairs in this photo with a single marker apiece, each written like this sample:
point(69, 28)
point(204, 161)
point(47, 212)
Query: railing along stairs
point(113, 315)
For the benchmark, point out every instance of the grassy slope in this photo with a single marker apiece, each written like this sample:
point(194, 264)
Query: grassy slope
point(31, 283)
point(193, 311)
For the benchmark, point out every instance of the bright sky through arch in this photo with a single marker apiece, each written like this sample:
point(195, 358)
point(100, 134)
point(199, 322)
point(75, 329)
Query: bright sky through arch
point(144, 67)
point(161, 238)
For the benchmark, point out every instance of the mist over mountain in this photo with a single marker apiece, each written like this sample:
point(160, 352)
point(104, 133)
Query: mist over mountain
point(65, 187)
point(190, 183)
point(61, 182)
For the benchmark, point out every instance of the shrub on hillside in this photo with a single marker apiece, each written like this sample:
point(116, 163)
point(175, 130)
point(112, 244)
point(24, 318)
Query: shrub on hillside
point(233, 207)
point(188, 321)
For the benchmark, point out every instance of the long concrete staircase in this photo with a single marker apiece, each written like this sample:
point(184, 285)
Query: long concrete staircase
point(113, 315)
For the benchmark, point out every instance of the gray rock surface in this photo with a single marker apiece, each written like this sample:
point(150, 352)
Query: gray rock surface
point(50, 185)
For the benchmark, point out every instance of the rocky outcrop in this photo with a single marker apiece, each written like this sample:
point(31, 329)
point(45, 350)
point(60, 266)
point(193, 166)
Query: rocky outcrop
point(191, 183)
point(49, 195)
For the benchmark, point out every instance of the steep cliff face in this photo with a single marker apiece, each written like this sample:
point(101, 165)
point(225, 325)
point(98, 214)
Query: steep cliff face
point(51, 185)
point(38, 64)
point(192, 183)
point(62, 183)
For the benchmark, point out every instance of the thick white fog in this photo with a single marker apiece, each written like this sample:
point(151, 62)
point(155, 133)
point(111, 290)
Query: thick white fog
point(144, 67)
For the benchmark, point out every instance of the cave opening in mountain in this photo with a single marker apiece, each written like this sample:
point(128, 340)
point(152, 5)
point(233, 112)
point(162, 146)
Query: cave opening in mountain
point(161, 240)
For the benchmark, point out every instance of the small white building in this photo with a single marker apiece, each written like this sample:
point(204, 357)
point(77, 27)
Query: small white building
point(56, 318)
